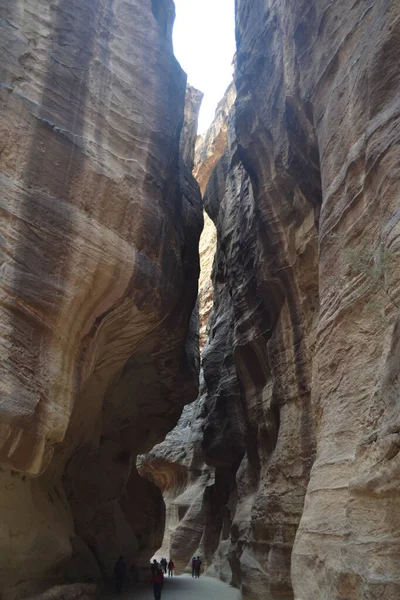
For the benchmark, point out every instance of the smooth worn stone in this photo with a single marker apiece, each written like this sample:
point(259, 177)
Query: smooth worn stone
point(99, 239)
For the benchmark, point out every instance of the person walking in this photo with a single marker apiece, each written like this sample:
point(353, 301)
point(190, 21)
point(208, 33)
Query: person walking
point(198, 566)
point(164, 563)
point(154, 567)
point(119, 575)
point(157, 581)
point(194, 566)
point(171, 568)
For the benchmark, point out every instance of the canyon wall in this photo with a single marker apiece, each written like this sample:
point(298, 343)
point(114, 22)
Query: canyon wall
point(100, 226)
point(302, 360)
point(299, 414)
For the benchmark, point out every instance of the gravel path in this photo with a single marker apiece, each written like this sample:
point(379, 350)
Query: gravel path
point(186, 588)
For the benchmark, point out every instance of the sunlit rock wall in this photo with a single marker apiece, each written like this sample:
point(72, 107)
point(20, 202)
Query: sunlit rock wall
point(99, 240)
point(177, 467)
point(302, 363)
point(209, 149)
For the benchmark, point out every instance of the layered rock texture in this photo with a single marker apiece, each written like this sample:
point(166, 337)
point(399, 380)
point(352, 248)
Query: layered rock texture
point(300, 414)
point(300, 366)
point(177, 465)
point(285, 472)
point(100, 227)
point(209, 149)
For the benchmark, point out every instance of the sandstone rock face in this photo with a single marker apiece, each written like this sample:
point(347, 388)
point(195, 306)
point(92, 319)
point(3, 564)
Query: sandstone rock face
point(189, 135)
point(100, 227)
point(209, 149)
point(211, 145)
point(177, 465)
point(302, 364)
point(258, 432)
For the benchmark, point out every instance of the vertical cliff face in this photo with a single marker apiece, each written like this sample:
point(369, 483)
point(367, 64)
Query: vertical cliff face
point(177, 467)
point(101, 221)
point(209, 149)
point(302, 421)
point(258, 432)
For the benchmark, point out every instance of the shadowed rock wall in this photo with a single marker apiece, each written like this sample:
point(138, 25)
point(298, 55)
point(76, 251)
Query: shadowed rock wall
point(100, 227)
point(177, 465)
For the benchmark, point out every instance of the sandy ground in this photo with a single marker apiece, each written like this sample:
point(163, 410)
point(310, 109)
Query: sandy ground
point(185, 588)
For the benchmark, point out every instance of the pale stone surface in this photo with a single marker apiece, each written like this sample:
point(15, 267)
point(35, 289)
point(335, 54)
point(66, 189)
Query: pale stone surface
point(209, 149)
point(177, 467)
point(100, 228)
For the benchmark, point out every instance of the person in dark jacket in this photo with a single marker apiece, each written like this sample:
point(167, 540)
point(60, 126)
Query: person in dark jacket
point(154, 567)
point(198, 566)
point(194, 566)
point(119, 575)
point(157, 581)
point(171, 568)
point(163, 563)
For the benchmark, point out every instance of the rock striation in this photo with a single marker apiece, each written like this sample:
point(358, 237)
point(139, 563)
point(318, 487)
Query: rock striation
point(99, 258)
point(177, 467)
point(300, 415)
point(209, 149)
point(302, 425)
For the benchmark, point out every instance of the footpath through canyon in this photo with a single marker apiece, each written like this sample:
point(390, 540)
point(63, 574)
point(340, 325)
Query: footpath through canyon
point(234, 395)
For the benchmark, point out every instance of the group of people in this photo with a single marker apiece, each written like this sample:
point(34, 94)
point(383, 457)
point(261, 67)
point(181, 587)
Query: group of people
point(157, 575)
point(164, 565)
point(196, 566)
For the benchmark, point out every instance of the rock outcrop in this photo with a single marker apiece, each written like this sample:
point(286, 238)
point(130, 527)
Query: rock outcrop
point(177, 467)
point(100, 229)
point(300, 415)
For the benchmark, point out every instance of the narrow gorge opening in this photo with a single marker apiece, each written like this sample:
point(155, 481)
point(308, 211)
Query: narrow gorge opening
point(183, 475)
point(275, 458)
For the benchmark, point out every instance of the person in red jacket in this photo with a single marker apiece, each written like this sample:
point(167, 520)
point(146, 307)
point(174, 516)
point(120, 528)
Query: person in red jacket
point(157, 581)
point(171, 568)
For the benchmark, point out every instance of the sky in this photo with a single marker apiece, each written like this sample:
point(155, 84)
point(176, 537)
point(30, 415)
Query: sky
point(204, 44)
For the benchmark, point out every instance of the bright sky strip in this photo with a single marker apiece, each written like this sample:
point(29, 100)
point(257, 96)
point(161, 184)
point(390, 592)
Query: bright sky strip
point(204, 44)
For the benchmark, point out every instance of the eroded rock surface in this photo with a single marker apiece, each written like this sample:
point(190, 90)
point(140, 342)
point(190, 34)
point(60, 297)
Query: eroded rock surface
point(100, 227)
point(304, 333)
point(177, 465)
point(209, 149)
point(300, 413)
point(258, 433)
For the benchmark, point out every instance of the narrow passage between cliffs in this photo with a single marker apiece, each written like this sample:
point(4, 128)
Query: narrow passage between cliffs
point(184, 587)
